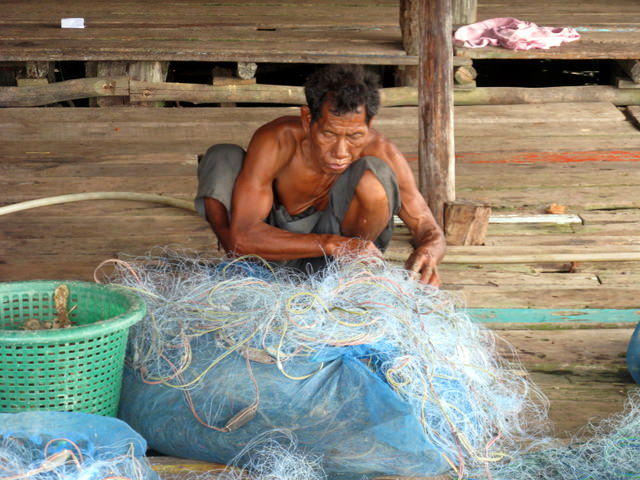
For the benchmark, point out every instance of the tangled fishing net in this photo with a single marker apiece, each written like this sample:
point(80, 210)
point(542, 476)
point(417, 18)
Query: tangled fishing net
point(274, 455)
point(471, 406)
point(19, 461)
point(611, 453)
point(34, 446)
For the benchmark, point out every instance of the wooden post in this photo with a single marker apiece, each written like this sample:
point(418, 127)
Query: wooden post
point(36, 73)
point(153, 71)
point(107, 70)
point(436, 162)
point(464, 11)
point(409, 26)
point(407, 75)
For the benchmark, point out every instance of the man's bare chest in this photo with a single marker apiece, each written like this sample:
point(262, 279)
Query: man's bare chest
point(296, 191)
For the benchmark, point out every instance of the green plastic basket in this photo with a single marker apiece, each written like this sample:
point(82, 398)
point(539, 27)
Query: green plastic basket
point(72, 369)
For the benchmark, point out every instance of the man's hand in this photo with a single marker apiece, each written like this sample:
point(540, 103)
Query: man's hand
point(358, 247)
point(424, 264)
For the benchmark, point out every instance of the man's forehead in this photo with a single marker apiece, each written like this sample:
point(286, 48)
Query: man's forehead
point(355, 119)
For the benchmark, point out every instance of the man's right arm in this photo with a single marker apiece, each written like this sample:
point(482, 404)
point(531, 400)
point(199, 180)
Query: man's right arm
point(253, 200)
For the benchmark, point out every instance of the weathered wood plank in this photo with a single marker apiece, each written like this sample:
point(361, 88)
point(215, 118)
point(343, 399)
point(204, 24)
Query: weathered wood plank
point(173, 468)
point(608, 217)
point(601, 240)
point(565, 112)
point(18, 227)
point(552, 297)
point(455, 279)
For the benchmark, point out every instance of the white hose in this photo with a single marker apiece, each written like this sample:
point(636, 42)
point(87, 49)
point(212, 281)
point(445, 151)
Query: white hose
point(78, 197)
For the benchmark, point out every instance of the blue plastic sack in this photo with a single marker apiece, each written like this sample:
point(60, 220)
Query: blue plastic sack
point(335, 406)
point(99, 444)
point(633, 355)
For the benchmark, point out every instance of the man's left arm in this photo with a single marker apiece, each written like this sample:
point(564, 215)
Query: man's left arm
point(427, 236)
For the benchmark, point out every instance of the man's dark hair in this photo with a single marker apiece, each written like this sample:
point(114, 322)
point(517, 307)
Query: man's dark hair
point(346, 87)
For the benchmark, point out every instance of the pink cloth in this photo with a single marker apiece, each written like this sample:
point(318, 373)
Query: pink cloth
point(513, 34)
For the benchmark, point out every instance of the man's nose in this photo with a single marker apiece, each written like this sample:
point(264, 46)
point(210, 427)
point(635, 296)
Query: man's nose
point(341, 151)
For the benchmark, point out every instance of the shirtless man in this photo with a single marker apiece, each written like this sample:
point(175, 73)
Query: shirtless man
point(321, 184)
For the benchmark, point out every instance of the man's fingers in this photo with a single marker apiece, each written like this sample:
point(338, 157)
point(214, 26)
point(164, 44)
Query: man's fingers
point(426, 273)
point(435, 278)
point(416, 265)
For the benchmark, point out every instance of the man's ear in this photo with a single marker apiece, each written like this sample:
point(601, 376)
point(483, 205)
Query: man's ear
point(305, 117)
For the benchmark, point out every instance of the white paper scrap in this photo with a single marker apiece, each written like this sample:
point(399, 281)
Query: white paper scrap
point(72, 22)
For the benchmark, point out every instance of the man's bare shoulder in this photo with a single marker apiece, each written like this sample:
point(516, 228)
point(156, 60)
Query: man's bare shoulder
point(383, 148)
point(287, 128)
point(273, 145)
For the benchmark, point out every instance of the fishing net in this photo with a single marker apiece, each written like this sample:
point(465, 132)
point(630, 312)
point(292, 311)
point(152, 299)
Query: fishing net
point(42, 445)
point(274, 455)
point(612, 452)
point(369, 368)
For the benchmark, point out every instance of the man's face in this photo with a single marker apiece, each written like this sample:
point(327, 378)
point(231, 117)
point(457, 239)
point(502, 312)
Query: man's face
point(336, 141)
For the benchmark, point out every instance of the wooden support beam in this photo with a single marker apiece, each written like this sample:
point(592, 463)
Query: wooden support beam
point(463, 12)
point(199, 93)
point(436, 162)
point(631, 68)
point(37, 95)
point(516, 95)
point(227, 91)
point(407, 75)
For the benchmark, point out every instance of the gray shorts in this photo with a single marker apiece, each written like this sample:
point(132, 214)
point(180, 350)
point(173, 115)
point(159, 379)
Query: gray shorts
point(220, 166)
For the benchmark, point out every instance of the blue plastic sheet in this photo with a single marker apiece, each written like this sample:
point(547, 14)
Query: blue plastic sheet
point(334, 404)
point(37, 435)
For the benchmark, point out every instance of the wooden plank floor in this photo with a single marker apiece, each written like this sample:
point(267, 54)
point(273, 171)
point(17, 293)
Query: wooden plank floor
point(318, 31)
point(519, 159)
point(313, 31)
point(54, 151)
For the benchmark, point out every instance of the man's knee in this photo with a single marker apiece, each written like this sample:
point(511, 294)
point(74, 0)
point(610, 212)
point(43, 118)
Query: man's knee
point(369, 213)
point(222, 152)
point(371, 194)
point(217, 173)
